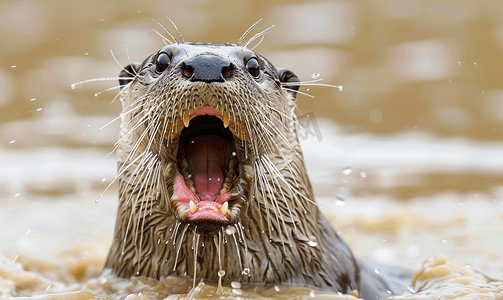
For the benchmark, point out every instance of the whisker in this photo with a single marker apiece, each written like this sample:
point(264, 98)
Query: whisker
point(298, 92)
point(259, 42)
point(247, 32)
point(310, 84)
point(258, 35)
point(119, 64)
point(164, 39)
point(117, 118)
point(99, 79)
point(109, 89)
point(165, 30)
point(179, 33)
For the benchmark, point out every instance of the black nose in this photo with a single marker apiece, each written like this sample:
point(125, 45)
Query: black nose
point(207, 68)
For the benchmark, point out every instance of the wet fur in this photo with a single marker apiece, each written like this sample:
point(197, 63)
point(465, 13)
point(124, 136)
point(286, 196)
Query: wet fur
point(280, 236)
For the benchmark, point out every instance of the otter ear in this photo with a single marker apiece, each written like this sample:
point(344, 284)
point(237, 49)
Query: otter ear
point(128, 73)
point(287, 76)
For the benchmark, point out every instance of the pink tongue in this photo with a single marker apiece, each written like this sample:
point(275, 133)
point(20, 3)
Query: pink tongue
point(207, 157)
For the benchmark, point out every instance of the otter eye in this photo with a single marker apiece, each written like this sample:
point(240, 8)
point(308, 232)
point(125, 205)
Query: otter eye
point(162, 62)
point(253, 67)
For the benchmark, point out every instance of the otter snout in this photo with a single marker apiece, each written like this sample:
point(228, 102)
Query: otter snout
point(207, 68)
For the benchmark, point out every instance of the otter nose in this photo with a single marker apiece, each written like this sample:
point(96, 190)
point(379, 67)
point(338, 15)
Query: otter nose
point(207, 68)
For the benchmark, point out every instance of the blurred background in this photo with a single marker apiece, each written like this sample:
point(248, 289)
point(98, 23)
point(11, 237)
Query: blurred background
point(408, 163)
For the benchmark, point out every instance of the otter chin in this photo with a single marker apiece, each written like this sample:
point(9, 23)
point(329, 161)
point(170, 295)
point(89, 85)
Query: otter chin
point(211, 175)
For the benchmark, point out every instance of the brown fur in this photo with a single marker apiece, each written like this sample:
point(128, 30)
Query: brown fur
point(275, 235)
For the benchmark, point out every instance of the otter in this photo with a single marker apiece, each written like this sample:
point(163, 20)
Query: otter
point(211, 177)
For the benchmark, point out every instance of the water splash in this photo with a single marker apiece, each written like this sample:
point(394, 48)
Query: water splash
point(220, 289)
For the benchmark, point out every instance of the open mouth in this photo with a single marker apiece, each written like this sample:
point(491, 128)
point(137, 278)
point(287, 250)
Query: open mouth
point(207, 184)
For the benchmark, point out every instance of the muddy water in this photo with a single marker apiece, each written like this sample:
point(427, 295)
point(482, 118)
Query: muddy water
point(55, 248)
point(406, 161)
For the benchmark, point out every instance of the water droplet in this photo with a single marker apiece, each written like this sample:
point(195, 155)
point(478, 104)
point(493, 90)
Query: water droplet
point(475, 64)
point(377, 271)
point(221, 273)
point(459, 63)
point(411, 290)
point(315, 75)
point(13, 67)
point(73, 86)
point(246, 272)
point(340, 88)
point(33, 99)
point(15, 258)
point(192, 142)
point(363, 175)
point(233, 153)
point(230, 230)
point(307, 90)
point(467, 266)
point(12, 142)
point(86, 53)
point(311, 294)
point(103, 179)
point(312, 243)
point(444, 241)
point(276, 288)
point(39, 109)
point(347, 171)
point(28, 232)
point(339, 202)
point(16, 195)
point(236, 285)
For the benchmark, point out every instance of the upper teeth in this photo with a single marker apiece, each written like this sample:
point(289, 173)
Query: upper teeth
point(186, 121)
point(225, 208)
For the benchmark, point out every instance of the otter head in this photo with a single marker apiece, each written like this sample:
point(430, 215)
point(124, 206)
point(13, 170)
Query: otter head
point(207, 129)
point(208, 152)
